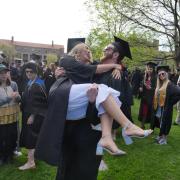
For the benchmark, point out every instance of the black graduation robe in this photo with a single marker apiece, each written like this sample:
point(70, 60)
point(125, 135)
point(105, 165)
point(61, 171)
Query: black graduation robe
point(147, 97)
point(172, 97)
point(34, 101)
point(49, 146)
point(122, 85)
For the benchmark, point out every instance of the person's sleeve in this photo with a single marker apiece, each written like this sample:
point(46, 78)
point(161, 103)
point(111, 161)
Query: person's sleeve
point(78, 71)
point(174, 93)
point(39, 100)
point(14, 86)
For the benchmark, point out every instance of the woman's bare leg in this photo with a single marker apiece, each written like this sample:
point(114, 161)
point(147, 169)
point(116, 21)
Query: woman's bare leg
point(114, 111)
point(106, 141)
point(106, 126)
point(30, 164)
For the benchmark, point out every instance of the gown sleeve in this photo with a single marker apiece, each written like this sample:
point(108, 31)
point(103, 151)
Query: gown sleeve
point(77, 71)
point(174, 93)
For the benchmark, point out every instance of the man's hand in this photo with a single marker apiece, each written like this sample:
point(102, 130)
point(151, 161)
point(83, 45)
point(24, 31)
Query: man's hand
point(59, 72)
point(92, 93)
point(116, 74)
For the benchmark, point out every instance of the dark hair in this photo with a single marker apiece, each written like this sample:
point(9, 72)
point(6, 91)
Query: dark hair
point(118, 49)
point(31, 65)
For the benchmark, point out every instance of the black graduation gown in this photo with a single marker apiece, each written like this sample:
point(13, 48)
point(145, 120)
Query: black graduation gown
point(50, 142)
point(172, 97)
point(34, 101)
point(49, 79)
point(122, 85)
point(136, 81)
point(147, 98)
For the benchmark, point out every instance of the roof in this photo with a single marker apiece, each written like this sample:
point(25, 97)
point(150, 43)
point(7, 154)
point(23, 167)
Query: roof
point(29, 44)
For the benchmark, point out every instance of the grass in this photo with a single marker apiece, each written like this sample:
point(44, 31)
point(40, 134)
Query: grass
point(145, 161)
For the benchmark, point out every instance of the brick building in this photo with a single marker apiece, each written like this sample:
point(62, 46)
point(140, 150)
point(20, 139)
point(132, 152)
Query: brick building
point(24, 50)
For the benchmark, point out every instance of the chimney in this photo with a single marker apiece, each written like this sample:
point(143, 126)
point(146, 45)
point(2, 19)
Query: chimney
point(52, 43)
point(12, 39)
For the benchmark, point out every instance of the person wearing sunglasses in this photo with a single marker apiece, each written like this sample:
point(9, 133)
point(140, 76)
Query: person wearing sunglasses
point(166, 95)
point(34, 104)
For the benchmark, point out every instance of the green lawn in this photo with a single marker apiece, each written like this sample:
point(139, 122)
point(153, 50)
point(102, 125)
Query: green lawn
point(145, 161)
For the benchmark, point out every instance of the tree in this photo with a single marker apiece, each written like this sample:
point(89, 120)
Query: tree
point(142, 48)
point(9, 51)
point(51, 58)
point(160, 18)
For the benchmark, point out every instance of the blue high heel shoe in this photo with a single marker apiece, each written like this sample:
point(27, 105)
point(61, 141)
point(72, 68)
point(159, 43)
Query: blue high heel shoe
point(119, 152)
point(127, 139)
point(99, 150)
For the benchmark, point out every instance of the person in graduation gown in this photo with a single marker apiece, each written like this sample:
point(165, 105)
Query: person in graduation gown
point(147, 90)
point(66, 147)
point(70, 145)
point(166, 95)
point(136, 82)
point(115, 53)
point(34, 105)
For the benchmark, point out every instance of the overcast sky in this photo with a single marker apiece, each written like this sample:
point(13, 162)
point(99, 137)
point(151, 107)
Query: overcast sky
point(42, 21)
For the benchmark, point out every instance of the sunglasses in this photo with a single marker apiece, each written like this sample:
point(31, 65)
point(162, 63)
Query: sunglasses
point(29, 72)
point(162, 74)
point(108, 49)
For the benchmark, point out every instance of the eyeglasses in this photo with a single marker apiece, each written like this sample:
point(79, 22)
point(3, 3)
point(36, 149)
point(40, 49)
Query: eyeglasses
point(162, 74)
point(29, 71)
point(108, 49)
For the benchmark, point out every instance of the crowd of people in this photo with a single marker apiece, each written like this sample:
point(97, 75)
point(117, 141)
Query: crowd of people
point(72, 109)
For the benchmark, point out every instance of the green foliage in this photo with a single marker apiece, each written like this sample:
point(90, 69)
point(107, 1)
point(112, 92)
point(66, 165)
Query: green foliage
point(51, 58)
point(97, 41)
point(145, 160)
point(142, 46)
point(160, 18)
point(8, 50)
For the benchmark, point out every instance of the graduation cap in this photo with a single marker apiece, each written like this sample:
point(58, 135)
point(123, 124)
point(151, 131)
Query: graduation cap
point(36, 56)
point(73, 42)
point(151, 64)
point(122, 47)
point(163, 68)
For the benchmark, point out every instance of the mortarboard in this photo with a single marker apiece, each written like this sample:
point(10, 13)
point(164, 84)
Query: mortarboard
point(73, 42)
point(36, 56)
point(163, 68)
point(151, 64)
point(122, 47)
